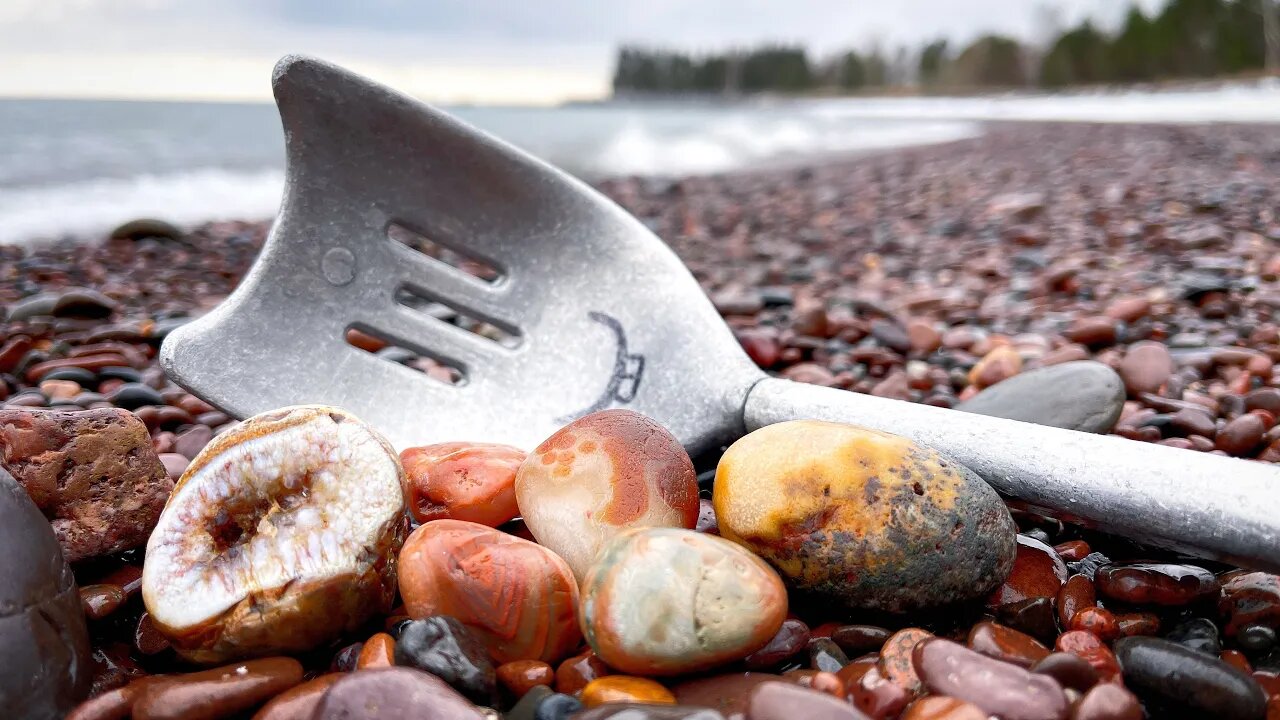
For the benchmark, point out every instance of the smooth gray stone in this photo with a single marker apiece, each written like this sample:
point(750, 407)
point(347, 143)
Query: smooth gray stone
point(1083, 395)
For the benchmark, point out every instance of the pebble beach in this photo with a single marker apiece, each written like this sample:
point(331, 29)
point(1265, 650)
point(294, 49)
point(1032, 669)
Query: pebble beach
point(1107, 278)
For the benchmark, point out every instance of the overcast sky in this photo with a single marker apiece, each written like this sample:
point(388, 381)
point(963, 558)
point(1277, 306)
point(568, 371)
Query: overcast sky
point(451, 50)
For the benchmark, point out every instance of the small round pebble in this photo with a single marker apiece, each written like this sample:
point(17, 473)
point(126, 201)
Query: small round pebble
point(474, 482)
point(518, 598)
point(395, 693)
point(520, 676)
point(599, 475)
point(443, 647)
point(662, 601)
point(625, 689)
point(1156, 583)
point(863, 518)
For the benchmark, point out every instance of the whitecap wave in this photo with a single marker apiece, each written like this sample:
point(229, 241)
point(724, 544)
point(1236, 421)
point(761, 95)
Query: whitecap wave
point(90, 208)
point(737, 143)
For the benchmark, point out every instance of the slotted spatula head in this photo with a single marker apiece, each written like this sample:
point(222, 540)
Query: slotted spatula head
point(595, 310)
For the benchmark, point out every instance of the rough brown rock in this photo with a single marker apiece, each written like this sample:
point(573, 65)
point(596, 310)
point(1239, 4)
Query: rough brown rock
point(93, 473)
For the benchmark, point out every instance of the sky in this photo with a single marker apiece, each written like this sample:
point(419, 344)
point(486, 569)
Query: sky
point(456, 51)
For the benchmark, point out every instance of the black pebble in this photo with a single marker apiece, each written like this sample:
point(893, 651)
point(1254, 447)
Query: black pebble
point(527, 705)
point(826, 656)
point(1257, 639)
point(557, 707)
point(120, 372)
point(441, 646)
point(132, 396)
point(84, 378)
point(1199, 634)
point(1186, 683)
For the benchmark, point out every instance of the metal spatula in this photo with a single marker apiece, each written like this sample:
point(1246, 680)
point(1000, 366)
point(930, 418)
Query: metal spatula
point(578, 308)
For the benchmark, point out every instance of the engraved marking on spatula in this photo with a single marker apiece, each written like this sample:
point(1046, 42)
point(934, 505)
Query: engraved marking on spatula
point(624, 381)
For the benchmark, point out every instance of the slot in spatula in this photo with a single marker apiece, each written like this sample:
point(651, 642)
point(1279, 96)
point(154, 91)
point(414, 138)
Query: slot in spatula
point(579, 307)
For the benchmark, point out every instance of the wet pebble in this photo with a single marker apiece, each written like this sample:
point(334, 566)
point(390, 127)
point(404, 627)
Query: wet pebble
point(1242, 435)
point(573, 674)
point(1006, 644)
point(599, 475)
point(998, 688)
point(625, 689)
point(1199, 634)
point(217, 693)
point(1250, 599)
point(520, 676)
point(864, 518)
point(518, 598)
point(669, 601)
point(443, 647)
point(557, 707)
point(396, 693)
point(1037, 572)
point(1076, 594)
point(1071, 671)
point(647, 711)
point(938, 707)
point(474, 482)
point(1156, 583)
point(785, 701)
point(791, 638)
point(726, 694)
point(858, 639)
point(1108, 702)
point(298, 702)
point(1091, 649)
point(896, 661)
point(1187, 681)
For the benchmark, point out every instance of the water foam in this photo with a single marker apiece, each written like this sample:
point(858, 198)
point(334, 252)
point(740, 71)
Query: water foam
point(90, 208)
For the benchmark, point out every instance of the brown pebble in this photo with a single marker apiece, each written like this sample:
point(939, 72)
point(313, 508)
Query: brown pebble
point(940, 707)
point(378, 651)
point(1006, 644)
point(298, 702)
point(998, 688)
point(1129, 308)
point(625, 689)
point(573, 674)
point(1072, 550)
point(1098, 621)
point(877, 696)
point(819, 680)
point(1092, 331)
point(1237, 660)
point(895, 658)
point(855, 640)
point(1108, 702)
point(1037, 572)
point(521, 676)
point(1092, 650)
point(726, 694)
point(1146, 367)
point(394, 693)
point(115, 704)
point(1156, 583)
point(147, 640)
point(1139, 623)
point(786, 701)
point(1076, 594)
point(1241, 436)
point(100, 601)
point(1001, 363)
point(1071, 671)
point(217, 693)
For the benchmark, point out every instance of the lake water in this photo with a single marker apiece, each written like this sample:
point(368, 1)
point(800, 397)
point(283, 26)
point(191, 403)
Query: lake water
point(78, 167)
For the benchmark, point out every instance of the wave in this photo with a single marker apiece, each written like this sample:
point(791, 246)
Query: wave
point(90, 208)
point(738, 143)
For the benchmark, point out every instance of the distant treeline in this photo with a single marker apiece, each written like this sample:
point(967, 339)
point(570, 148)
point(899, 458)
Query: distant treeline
point(1187, 39)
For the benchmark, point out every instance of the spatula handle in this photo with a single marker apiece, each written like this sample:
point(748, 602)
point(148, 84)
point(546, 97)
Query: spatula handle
point(1205, 505)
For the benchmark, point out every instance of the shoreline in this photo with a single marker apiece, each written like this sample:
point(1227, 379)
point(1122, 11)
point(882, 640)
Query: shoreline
point(1109, 278)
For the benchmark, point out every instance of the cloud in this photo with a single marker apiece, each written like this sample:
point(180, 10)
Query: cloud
point(449, 49)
